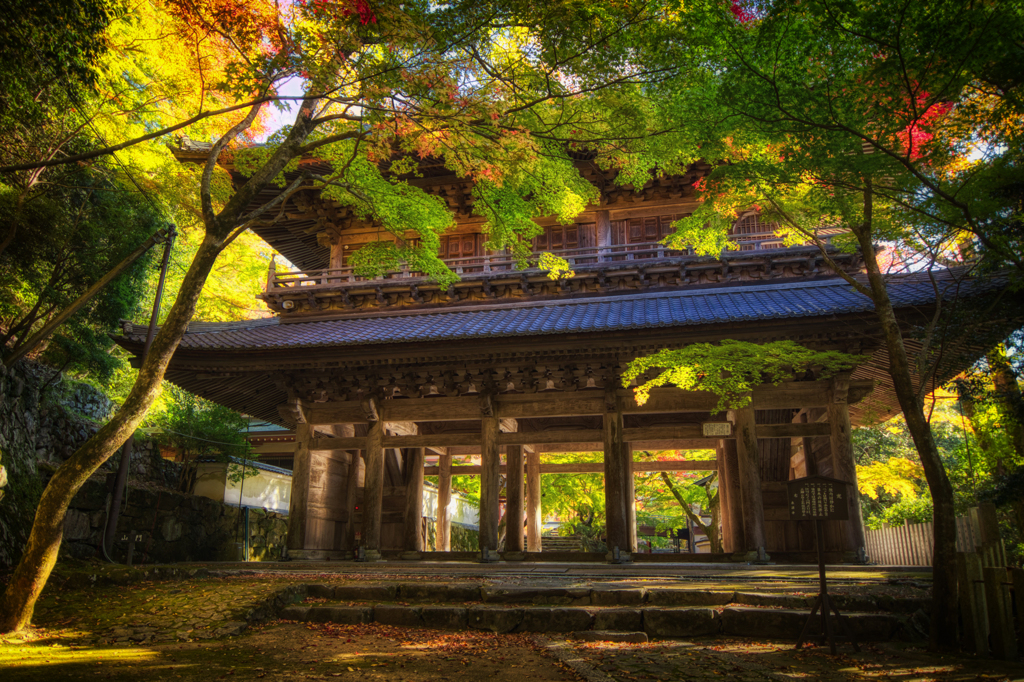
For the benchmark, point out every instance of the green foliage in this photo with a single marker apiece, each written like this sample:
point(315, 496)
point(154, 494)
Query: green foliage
point(815, 106)
point(908, 510)
point(49, 54)
point(732, 369)
point(576, 499)
point(82, 228)
point(200, 429)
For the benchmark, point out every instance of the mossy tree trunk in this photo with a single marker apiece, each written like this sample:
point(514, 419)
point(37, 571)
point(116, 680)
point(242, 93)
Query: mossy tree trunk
point(943, 629)
point(44, 541)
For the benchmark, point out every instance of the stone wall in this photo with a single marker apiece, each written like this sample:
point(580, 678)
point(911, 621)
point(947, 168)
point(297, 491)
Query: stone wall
point(168, 526)
point(42, 425)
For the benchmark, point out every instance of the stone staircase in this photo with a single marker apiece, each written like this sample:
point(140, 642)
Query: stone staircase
point(556, 543)
point(662, 612)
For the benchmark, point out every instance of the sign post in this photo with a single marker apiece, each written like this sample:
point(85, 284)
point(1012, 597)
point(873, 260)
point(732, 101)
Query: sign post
point(819, 498)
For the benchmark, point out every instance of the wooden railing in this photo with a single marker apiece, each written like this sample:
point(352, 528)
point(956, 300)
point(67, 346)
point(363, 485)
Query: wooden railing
point(504, 262)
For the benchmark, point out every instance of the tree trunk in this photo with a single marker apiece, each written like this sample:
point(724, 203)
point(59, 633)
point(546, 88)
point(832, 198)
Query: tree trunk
point(943, 633)
point(1008, 400)
point(48, 527)
point(710, 530)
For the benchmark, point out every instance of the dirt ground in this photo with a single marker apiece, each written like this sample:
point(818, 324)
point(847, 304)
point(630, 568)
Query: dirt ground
point(183, 630)
point(290, 651)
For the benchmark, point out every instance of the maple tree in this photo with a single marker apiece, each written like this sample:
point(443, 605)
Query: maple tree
point(496, 90)
point(831, 113)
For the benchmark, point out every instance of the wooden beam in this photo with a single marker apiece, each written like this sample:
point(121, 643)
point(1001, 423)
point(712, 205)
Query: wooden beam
point(796, 430)
point(566, 404)
point(675, 432)
point(587, 467)
point(544, 437)
point(682, 436)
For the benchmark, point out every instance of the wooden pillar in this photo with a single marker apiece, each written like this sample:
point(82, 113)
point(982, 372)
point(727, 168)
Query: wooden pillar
point(351, 492)
point(724, 511)
point(413, 500)
point(337, 255)
point(616, 486)
point(604, 228)
point(843, 466)
point(810, 461)
point(731, 468)
point(630, 501)
point(748, 459)
point(514, 498)
point(490, 483)
point(443, 538)
point(373, 490)
point(534, 514)
point(298, 503)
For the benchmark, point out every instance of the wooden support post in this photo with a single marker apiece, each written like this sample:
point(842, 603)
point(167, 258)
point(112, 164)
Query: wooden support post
point(808, 447)
point(443, 538)
point(298, 504)
point(616, 487)
point(490, 484)
point(534, 514)
point(603, 228)
point(413, 500)
point(1000, 619)
point(748, 458)
point(631, 530)
point(730, 468)
point(351, 492)
point(514, 497)
point(337, 260)
point(373, 491)
point(971, 595)
point(723, 502)
point(845, 469)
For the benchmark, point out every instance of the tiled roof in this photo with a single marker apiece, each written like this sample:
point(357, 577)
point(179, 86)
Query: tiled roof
point(678, 308)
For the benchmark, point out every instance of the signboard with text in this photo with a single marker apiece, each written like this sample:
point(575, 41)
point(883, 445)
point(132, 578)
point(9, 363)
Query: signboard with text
point(818, 498)
point(712, 429)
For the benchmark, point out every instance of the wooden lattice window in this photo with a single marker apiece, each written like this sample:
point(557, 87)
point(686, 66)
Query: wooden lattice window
point(642, 230)
point(559, 237)
point(461, 246)
point(752, 227)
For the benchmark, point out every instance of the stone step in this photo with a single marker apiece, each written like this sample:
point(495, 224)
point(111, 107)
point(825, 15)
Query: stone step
point(655, 621)
point(460, 593)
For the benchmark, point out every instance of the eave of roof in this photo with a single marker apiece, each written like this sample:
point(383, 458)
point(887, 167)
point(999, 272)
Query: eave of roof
point(665, 309)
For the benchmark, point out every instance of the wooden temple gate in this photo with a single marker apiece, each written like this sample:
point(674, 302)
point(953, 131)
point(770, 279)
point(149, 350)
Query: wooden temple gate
point(342, 482)
point(377, 375)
